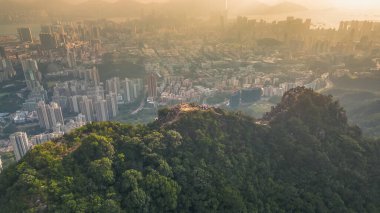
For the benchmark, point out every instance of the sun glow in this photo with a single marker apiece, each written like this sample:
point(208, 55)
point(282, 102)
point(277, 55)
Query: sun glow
point(356, 4)
point(339, 4)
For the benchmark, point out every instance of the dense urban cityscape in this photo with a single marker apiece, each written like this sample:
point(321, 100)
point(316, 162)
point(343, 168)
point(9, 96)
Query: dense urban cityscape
point(80, 72)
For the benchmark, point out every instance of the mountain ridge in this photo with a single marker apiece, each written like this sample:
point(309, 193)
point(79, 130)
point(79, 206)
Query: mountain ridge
point(202, 159)
point(284, 7)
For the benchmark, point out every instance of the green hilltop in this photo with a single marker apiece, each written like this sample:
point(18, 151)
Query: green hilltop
point(302, 157)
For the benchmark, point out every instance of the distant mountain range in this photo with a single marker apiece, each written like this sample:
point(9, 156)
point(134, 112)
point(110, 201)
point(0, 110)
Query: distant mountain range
point(284, 7)
point(127, 8)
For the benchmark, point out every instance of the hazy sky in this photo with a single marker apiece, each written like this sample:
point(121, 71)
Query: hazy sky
point(346, 4)
point(341, 4)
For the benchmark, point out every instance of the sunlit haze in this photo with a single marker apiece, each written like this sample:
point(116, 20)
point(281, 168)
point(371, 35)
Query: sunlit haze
point(190, 106)
point(342, 4)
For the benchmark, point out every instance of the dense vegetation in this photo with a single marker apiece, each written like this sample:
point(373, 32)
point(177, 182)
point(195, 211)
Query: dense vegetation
point(11, 96)
point(303, 157)
point(361, 99)
point(115, 65)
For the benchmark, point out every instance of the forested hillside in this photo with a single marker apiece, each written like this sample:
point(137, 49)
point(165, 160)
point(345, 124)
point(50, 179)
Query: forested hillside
point(302, 157)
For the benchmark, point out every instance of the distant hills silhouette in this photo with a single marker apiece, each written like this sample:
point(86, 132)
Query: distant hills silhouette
point(128, 8)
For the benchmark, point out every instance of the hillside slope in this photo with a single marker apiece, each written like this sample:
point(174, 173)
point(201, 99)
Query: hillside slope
point(303, 157)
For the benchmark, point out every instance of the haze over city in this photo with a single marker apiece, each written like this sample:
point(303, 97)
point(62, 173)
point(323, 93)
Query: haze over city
point(325, 13)
point(346, 4)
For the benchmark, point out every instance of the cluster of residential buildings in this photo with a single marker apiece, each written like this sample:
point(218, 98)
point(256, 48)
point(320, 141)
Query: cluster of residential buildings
point(7, 71)
point(51, 119)
point(177, 89)
point(82, 100)
point(127, 90)
point(21, 143)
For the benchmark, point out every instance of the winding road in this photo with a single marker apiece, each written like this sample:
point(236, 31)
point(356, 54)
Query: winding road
point(142, 104)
